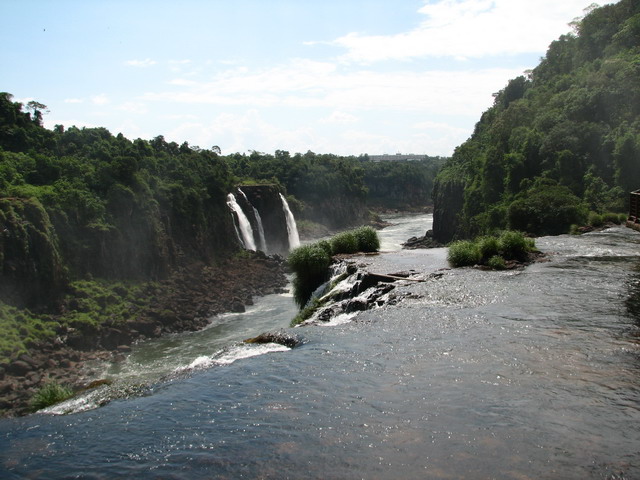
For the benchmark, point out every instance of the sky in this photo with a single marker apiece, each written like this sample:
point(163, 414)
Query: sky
point(334, 76)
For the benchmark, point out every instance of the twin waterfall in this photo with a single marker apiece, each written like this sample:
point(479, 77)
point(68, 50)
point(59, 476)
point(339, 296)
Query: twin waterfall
point(263, 219)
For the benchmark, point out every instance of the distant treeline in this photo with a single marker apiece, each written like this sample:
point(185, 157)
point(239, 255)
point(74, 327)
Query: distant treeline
point(558, 142)
point(82, 201)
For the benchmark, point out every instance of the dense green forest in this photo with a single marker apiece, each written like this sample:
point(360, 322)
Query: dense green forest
point(84, 202)
point(559, 142)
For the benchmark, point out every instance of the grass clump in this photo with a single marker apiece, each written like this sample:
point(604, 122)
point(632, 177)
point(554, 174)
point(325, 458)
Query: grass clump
point(310, 263)
point(491, 251)
point(344, 242)
point(514, 245)
point(50, 394)
point(497, 263)
point(368, 240)
point(463, 253)
point(595, 220)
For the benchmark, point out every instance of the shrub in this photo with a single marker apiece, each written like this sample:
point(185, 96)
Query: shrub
point(309, 260)
point(497, 263)
point(310, 263)
point(48, 395)
point(513, 245)
point(367, 238)
point(622, 217)
point(326, 246)
point(488, 246)
point(595, 219)
point(463, 253)
point(611, 217)
point(344, 242)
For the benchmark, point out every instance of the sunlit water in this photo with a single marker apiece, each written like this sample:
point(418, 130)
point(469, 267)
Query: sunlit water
point(511, 375)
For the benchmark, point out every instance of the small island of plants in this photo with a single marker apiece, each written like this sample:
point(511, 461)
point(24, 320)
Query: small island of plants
point(495, 252)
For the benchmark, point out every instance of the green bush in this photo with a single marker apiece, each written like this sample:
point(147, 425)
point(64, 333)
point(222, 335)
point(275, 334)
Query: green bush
point(309, 260)
point(50, 394)
point(513, 245)
point(326, 246)
point(344, 242)
point(622, 217)
point(488, 246)
point(595, 219)
point(497, 263)
point(310, 263)
point(463, 253)
point(368, 240)
point(611, 217)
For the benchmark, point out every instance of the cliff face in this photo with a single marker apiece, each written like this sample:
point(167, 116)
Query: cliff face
point(31, 266)
point(448, 198)
point(266, 199)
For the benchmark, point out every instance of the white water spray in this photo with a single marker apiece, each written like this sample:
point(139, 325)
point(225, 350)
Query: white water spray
point(292, 228)
point(246, 232)
point(263, 240)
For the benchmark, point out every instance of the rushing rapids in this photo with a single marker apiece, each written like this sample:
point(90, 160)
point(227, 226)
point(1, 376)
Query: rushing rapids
point(530, 373)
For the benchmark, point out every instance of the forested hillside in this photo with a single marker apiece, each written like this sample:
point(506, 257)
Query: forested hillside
point(78, 203)
point(558, 142)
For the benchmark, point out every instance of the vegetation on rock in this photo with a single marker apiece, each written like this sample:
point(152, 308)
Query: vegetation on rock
point(491, 251)
point(49, 395)
point(310, 263)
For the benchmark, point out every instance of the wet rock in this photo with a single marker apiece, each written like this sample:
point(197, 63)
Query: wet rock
point(426, 241)
point(281, 338)
point(237, 307)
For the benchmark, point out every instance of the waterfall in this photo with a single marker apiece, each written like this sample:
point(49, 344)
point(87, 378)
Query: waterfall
point(292, 228)
point(263, 240)
point(246, 232)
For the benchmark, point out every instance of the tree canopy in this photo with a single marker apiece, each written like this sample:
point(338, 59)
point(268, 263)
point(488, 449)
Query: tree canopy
point(571, 126)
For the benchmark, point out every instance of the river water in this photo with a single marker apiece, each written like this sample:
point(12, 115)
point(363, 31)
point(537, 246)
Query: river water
point(529, 374)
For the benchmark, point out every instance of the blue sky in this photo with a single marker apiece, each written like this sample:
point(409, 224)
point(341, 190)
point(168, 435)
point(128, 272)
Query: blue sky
point(333, 76)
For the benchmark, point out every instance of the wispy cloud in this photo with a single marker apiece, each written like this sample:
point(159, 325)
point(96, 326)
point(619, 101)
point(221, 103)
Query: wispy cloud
point(147, 62)
point(469, 29)
point(339, 117)
point(100, 99)
point(308, 84)
point(73, 100)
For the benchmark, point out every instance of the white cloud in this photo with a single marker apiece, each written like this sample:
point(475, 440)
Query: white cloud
point(307, 84)
point(469, 29)
point(147, 62)
point(100, 99)
point(339, 117)
point(133, 107)
point(73, 100)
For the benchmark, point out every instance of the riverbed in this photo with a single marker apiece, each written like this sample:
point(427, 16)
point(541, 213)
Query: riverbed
point(525, 374)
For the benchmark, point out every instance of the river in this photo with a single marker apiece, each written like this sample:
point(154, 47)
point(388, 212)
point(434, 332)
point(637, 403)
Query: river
point(528, 374)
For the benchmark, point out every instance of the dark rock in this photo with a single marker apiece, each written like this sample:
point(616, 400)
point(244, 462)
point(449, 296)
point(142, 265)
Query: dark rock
point(18, 368)
point(281, 338)
point(237, 307)
point(7, 387)
point(112, 338)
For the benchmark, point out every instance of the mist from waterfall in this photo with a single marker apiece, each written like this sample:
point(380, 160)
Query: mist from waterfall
point(292, 228)
point(245, 232)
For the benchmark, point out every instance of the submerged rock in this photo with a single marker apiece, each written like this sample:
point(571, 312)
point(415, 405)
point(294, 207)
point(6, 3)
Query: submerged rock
point(281, 338)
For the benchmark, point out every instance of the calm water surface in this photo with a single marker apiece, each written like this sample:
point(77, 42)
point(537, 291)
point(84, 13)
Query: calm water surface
point(510, 375)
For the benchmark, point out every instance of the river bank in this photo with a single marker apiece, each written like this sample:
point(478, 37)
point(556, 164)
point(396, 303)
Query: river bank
point(183, 302)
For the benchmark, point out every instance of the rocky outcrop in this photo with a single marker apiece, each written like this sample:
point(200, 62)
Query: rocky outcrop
point(426, 241)
point(448, 200)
